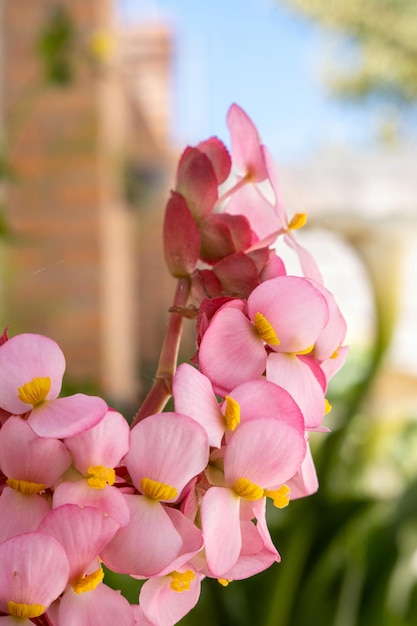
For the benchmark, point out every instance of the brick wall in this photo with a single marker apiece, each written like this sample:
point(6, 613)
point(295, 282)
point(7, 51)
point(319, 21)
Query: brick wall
point(72, 268)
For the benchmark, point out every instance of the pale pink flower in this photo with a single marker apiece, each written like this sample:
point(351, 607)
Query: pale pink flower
point(34, 572)
point(285, 314)
point(167, 451)
point(260, 457)
point(87, 601)
point(32, 368)
point(96, 452)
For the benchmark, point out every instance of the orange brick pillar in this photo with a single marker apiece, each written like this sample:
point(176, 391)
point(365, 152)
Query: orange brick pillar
point(69, 267)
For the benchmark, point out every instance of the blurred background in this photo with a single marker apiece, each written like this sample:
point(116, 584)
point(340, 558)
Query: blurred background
point(97, 100)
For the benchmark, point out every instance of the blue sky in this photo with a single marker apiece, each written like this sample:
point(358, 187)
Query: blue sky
point(257, 54)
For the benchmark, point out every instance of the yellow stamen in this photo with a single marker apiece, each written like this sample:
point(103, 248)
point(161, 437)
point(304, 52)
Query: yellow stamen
point(335, 354)
point(18, 609)
point(35, 391)
point(298, 221)
point(307, 350)
point(247, 490)
point(156, 490)
point(224, 582)
point(99, 476)
point(25, 486)
point(89, 582)
point(181, 580)
point(265, 330)
point(279, 496)
point(231, 413)
point(327, 406)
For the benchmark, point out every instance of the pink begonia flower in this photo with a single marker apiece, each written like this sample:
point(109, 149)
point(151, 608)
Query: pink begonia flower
point(165, 600)
point(286, 313)
point(32, 368)
point(34, 572)
point(167, 451)
point(261, 456)
point(96, 452)
point(42, 461)
point(83, 532)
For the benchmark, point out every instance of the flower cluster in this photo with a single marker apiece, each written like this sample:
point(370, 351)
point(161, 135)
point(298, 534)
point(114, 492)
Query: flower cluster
point(178, 496)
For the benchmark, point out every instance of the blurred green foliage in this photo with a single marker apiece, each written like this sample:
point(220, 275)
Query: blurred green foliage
point(56, 46)
point(384, 34)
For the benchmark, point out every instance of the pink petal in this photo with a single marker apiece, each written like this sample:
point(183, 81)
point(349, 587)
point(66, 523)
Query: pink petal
point(331, 366)
point(334, 332)
point(247, 154)
point(273, 178)
point(44, 460)
point(34, 570)
point(262, 398)
point(165, 607)
point(170, 448)
point(305, 481)
point(20, 513)
point(221, 529)
point(308, 263)
point(83, 533)
point(304, 380)
point(23, 358)
point(251, 203)
point(102, 605)
point(257, 552)
point(65, 417)
point(194, 396)
point(108, 500)
point(148, 544)
point(265, 451)
point(103, 444)
point(295, 309)
point(192, 539)
point(231, 352)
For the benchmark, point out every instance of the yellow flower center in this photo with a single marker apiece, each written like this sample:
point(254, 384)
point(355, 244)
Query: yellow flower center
point(35, 391)
point(327, 406)
point(99, 476)
point(279, 496)
point(223, 581)
point(156, 490)
point(265, 330)
point(18, 609)
point(25, 486)
point(250, 491)
point(181, 580)
point(231, 413)
point(247, 490)
point(89, 582)
point(298, 221)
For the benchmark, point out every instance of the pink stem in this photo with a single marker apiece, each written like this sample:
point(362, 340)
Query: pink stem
point(161, 390)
